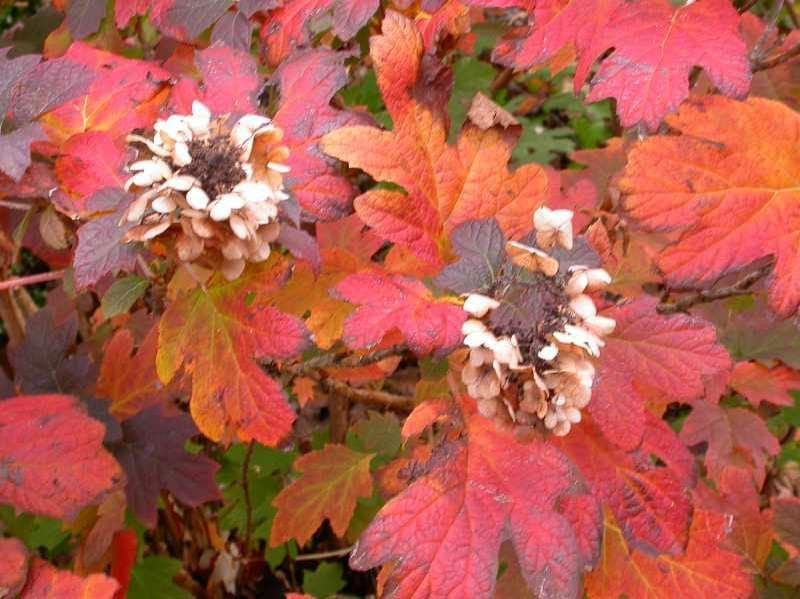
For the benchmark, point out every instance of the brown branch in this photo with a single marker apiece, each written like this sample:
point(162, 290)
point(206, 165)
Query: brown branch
point(248, 505)
point(333, 360)
point(747, 6)
point(370, 397)
point(15, 205)
point(704, 296)
point(768, 63)
point(771, 22)
point(53, 275)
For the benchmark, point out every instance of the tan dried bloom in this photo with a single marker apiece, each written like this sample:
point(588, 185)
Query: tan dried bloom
point(538, 373)
point(209, 189)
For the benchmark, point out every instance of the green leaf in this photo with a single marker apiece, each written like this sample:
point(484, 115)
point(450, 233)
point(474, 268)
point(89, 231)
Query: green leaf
point(542, 145)
point(324, 581)
point(378, 433)
point(470, 76)
point(36, 531)
point(154, 577)
point(366, 93)
point(123, 294)
point(265, 478)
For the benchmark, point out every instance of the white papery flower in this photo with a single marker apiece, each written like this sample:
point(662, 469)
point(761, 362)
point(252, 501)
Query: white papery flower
point(213, 187)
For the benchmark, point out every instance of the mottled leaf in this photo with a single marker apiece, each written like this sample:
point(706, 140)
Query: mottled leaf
point(13, 566)
point(216, 334)
point(46, 582)
point(757, 383)
point(443, 533)
point(52, 460)
point(480, 247)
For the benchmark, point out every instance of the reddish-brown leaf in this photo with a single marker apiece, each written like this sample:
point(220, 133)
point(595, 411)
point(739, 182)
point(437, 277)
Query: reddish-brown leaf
point(444, 185)
point(331, 480)
point(289, 26)
point(758, 383)
point(153, 455)
point(387, 302)
point(52, 460)
point(47, 582)
point(651, 356)
point(216, 333)
point(308, 79)
point(13, 566)
point(737, 438)
point(727, 182)
point(443, 533)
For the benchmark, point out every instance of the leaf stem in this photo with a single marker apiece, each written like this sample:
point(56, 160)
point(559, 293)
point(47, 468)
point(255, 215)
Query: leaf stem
point(370, 397)
point(308, 557)
point(43, 277)
point(779, 59)
point(15, 205)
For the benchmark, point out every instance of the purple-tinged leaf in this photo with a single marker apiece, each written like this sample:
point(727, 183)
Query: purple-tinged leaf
point(153, 456)
point(480, 246)
point(15, 150)
point(233, 30)
point(193, 17)
point(84, 16)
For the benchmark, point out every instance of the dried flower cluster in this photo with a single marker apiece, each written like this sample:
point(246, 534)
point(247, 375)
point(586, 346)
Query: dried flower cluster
point(537, 371)
point(212, 189)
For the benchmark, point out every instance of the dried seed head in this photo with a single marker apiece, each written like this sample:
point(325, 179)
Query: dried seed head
point(210, 191)
point(533, 338)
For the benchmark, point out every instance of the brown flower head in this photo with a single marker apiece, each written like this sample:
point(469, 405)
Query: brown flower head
point(208, 188)
point(534, 335)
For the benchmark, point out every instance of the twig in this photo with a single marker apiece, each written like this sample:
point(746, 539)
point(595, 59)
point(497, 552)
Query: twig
point(53, 275)
point(15, 205)
point(741, 287)
point(768, 63)
point(771, 21)
point(370, 397)
point(248, 505)
point(338, 361)
point(308, 557)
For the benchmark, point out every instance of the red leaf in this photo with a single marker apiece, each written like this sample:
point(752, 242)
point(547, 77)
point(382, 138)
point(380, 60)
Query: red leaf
point(758, 383)
point(332, 479)
point(308, 79)
point(388, 302)
point(650, 502)
point(737, 438)
point(13, 566)
point(727, 183)
point(47, 582)
point(125, 10)
point(123, 96)
point(216, 333)
point(90, 162)
point(443, 533)
point(424, 415)
point(52, 456)
point(670, 356)
point(152, 453)
point(656, 45)
point(288, 27)
point(123, 559)
point(230, 80)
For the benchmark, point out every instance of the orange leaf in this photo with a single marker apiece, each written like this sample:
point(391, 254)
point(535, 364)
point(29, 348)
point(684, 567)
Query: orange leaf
point(444, 185)
point(130, 380)
point(216, 333)
point(728, 182)
point(331, 481)
point(705, 570)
